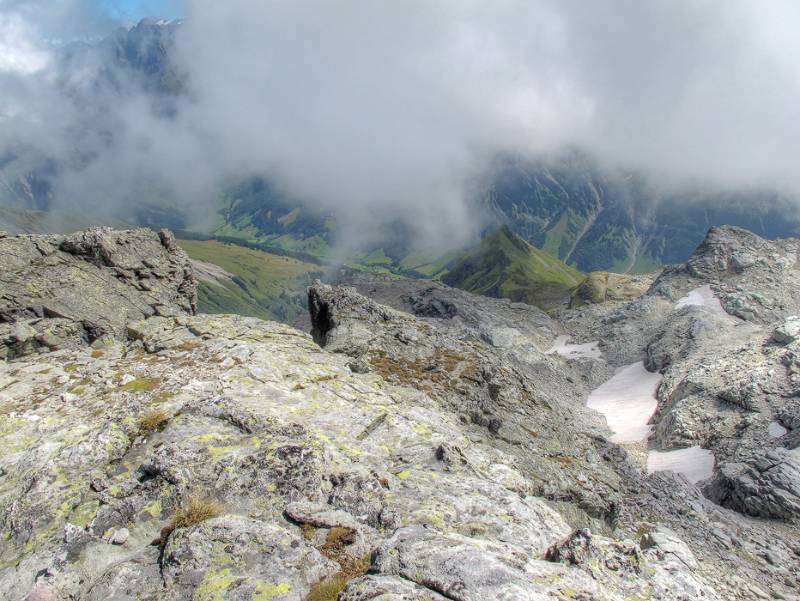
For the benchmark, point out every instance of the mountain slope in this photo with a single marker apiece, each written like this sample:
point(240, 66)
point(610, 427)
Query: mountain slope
point(504, 265)
point(235, 279)
point(599, 220)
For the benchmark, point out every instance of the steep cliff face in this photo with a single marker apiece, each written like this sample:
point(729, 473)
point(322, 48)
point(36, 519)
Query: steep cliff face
point(431, 450)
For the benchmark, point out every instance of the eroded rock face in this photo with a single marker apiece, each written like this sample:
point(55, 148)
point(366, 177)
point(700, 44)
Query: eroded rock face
point(517, 401)
point(68, 291)
point(289, 440)
point(262, 560)
point(756, 279)
point(767, 486)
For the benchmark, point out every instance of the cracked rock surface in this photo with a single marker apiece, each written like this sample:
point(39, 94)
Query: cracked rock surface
point(427, 450)
point(68, 291)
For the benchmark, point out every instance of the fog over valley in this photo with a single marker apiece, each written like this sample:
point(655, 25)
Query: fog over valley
point(396, 113)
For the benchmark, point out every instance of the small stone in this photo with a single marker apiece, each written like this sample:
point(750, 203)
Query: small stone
point(359, 366)
point(788, 332)
point(119, 536)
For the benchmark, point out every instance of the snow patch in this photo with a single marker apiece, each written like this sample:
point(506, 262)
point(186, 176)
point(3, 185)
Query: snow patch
point(701, 297)
point(627, 401)
point(694, 462)
point(776, 430)
point(588, 350)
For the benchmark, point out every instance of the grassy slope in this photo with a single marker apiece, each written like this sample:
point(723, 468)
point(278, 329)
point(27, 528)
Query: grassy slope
point(503, 265)
point(266, 285)
point(430, 266)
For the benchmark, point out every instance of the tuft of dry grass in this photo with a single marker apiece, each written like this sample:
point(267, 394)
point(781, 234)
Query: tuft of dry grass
point(444, 370)
point(189, 345)
point(194, 511)
point(336, 542)
point(329, 588)
point(334, 548)
point(308, 531)
point(152, 421)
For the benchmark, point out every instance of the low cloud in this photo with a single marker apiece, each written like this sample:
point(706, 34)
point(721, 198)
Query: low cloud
point(394, 111)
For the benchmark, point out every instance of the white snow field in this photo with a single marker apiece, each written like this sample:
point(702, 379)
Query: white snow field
point(588, 350)
point(693, 462)
point(776, 430)
point(703, 297)
point(627, 401)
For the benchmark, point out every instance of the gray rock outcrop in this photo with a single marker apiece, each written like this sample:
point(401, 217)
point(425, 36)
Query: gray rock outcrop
point(428, 450)
point(67, 291)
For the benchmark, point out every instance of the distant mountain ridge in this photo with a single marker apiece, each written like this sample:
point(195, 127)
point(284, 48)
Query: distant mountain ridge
point(595, 220)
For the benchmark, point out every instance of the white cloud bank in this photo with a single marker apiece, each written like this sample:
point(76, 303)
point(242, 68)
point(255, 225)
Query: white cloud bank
point(393, 110)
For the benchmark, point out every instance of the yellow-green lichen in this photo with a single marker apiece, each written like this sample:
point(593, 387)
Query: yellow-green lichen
point(154, 509)
point(217, 452)
point(266, 591)
point(215, 581)
point(85, 512)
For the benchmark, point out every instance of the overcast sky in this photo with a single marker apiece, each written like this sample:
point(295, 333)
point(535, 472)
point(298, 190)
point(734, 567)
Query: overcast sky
point(394, 109)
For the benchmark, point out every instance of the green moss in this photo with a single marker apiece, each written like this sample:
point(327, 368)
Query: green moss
point(162, 397)
point(85, 512)
point(144, 384)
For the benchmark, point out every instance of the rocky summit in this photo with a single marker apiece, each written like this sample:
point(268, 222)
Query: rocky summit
point(411, 442)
